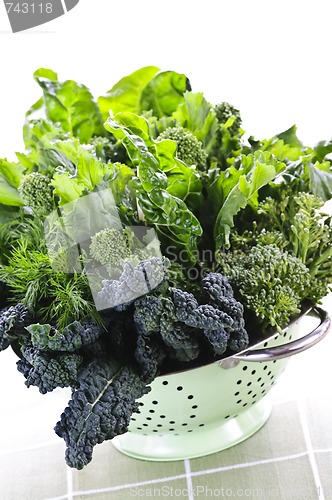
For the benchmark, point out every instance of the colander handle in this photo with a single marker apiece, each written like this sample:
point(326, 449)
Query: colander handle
point(294, 347)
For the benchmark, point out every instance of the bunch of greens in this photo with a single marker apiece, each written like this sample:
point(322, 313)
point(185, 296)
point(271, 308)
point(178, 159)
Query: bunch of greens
point(243, 241)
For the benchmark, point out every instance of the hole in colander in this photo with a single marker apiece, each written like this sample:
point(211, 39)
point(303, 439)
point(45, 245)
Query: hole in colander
point(262, 385)
point(194, 407)
point(139, 428)
point(274, 361)
point(159, 425)
point(269, 373)
point(259, 379)
point(183, 425)
point(285, 334)
point(148, 418)
point(254, 396)
point(239, 382)
point(245, 368)
point(151, 411)
point(245, 404)
point(201, 425)
point(249, 392)
point(192, 416)
point(253, 372)
point(172, 422)
point(155, 430)
point(162, 416)
point(190, 396)
point(239, 401)
point(134, 419)
point(180, 388)
point(171, 429)
point(264, 391)
point(265, 344)
point(154, 402)
point(140, 404)
point(227, 416)
point(249, 384)
point(265, 367)
point(145, 425)
point(190, 430)
point(165, 382)
point(237, 393)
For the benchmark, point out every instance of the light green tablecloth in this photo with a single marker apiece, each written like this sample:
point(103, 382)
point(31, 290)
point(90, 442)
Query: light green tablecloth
point(289, 458)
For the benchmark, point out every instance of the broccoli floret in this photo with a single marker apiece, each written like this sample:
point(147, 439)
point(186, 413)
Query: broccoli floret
point(36, 191)
point(48, 372)
point(224, 112)
point(189, 148)
point(270, 282)
point(109, 246)
point(12, 324)
point(70, 339)
point(227, 145)
point(101, 408)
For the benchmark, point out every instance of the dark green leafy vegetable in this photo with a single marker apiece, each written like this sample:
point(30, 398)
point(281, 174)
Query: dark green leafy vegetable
point(101, 407)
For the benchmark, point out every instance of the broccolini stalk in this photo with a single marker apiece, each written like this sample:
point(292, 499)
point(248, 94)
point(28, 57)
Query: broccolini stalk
point(270, 282)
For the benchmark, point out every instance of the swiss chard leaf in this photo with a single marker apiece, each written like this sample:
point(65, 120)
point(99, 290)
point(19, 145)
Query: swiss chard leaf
point(164, 93)
point(10, 176)
point(258, 169)
point(167, 212)
point(126, 94)
point(71, 104)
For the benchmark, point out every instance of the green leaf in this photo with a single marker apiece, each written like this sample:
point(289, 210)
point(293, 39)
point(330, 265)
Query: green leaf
point(258, 170)
point(125, 95)
point(8, 213)
point(167, 212)
point(322, 149)
point(71, 104)
point(10, 176)
point(285, 146)
point(195, 113)
point(164, 93)
point(320, 177)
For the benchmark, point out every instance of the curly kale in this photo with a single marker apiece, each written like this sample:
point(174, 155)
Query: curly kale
point(134, 281)
point(70, 339)
point(220, 294)
point(184, 324)
point(36, 191)
point(12, 324)
point(149, 355)
point(48, 372)
point(189, 148)
point(270, 282)
point(101, 408)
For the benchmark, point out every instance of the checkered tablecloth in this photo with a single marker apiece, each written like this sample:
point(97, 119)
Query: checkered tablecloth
point(289, 458)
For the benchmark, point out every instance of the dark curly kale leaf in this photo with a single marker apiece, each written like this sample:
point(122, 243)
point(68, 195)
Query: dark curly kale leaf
point(182, 341)
point(220, 294)
point(12, 322)
point(149, 355)
point(48, 372)
point(100, 409)
point(70, 339)
point(218, 339)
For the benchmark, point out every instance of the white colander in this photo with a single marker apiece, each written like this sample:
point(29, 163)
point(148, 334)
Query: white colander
point(208, 409)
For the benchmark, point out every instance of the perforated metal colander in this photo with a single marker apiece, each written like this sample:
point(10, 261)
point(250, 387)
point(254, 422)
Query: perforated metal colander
point(210, 408)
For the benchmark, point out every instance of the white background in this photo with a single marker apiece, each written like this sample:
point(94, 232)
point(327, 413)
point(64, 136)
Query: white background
point(271, 59)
